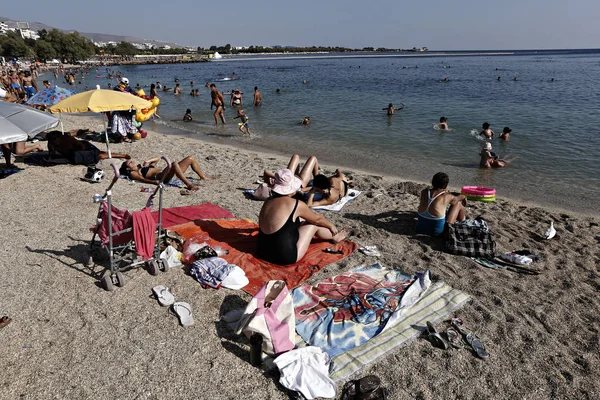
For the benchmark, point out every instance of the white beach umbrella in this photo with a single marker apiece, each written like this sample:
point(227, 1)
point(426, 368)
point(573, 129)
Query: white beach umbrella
point(19, 123)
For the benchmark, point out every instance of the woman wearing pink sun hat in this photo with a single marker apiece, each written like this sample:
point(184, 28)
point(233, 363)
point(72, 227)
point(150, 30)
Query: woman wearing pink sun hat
point(287, 225)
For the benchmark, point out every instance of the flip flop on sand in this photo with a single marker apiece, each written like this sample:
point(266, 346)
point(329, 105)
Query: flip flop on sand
point(163, 295)
point(184, 312)
point(364, 388)
point(454, 338)
point(435, 338)
point(471, 339)
point(4, 321)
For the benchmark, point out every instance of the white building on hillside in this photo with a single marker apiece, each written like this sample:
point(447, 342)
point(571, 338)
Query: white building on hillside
point(3, 28)
point(29, 34)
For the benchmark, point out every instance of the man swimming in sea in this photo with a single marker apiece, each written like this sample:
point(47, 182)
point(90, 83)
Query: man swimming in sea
point(390, 108)
point(218, 101)
point(443, 125)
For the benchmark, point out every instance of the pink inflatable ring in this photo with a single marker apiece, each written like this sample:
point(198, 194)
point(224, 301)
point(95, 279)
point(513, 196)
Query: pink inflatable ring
point(478, 190)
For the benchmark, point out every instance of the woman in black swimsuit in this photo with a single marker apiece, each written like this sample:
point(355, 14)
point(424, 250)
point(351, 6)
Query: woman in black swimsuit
point(150, 173)
point(287, 226)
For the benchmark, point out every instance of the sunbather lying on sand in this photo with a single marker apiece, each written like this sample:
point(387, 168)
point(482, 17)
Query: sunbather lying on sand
point(310, 169)
point(19, 149)
point(150, 173)
point(328, 190)
point(287, 226)
point(67, 145)
point(324, 190)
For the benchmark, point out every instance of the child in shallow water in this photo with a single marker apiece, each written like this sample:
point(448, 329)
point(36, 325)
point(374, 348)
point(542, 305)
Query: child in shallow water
point(244, 127)
point(487, 131)
point(489, 159)
point(188, 115)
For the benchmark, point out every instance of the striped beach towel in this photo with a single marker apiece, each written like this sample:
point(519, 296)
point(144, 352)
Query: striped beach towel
point(435, 304)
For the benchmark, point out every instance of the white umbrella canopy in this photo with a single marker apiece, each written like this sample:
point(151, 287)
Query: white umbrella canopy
point(19, 123)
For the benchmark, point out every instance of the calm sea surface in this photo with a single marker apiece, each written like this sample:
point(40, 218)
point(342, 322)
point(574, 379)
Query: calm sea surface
point(555, 140)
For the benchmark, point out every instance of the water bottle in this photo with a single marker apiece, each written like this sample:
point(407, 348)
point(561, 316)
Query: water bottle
point(256, 341)
point(146, 190)
point(516, 258)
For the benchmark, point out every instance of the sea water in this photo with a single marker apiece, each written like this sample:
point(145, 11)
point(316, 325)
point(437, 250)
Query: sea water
point(551, 109)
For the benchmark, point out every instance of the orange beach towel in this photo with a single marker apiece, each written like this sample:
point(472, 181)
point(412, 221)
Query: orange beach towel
point(239, 237)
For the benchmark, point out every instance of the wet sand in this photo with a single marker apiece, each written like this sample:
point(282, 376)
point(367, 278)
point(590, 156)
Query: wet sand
point(70, 339)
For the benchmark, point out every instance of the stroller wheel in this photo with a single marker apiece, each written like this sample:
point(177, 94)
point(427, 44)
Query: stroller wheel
point(87, 259)
point(163, 265)
point(106, 282)
point(120, 279)
point(153, 267)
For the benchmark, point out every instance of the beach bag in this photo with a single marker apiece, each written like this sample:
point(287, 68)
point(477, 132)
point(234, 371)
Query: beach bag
point(270, 314)
point(471, 239)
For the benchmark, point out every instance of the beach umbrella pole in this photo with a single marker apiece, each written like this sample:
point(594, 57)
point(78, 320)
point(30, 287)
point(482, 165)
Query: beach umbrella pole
point(106, 134)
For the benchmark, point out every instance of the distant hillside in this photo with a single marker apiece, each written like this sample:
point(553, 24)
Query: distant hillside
point(95, 37)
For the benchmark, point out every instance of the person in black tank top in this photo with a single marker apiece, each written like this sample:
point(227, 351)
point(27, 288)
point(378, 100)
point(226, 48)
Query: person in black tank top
point(280, 247)
point(289, 243)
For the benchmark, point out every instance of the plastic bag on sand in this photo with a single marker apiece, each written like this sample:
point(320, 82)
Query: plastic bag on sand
point(196, 244)
point(172, 256)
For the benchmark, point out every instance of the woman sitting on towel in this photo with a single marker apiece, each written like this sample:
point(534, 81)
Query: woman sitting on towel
point(438, 207)
point(287, 225)
point(150, 173)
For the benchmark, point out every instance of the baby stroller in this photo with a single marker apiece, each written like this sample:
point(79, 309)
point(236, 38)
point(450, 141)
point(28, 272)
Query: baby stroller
point(116, 234)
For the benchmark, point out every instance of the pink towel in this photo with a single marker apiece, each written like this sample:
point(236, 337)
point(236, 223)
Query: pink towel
point(144, 233)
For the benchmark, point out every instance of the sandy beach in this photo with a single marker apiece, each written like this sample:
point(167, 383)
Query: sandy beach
point(70, 339)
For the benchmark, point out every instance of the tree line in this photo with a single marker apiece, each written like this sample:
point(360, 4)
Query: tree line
point(69, 47)
point(73, 47)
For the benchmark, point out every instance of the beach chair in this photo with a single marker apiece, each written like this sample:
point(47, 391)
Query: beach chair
point(114, 229)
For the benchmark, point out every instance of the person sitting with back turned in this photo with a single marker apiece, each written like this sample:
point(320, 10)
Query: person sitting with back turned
point(438, 207)
point(287, 225)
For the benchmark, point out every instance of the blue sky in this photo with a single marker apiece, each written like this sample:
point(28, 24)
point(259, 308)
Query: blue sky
point(436, 24)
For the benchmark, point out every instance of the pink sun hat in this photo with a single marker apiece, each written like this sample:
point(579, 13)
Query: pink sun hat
point(286, 183)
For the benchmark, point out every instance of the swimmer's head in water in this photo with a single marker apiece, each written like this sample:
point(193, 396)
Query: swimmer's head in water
point(443, 119)
point(487, 146)
point(188, 111)
point(506, 130)
point(390, 105)
point(485, 125)
point(440, 180)
point(321, 182)
point(255, 87)
point(277, 91)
